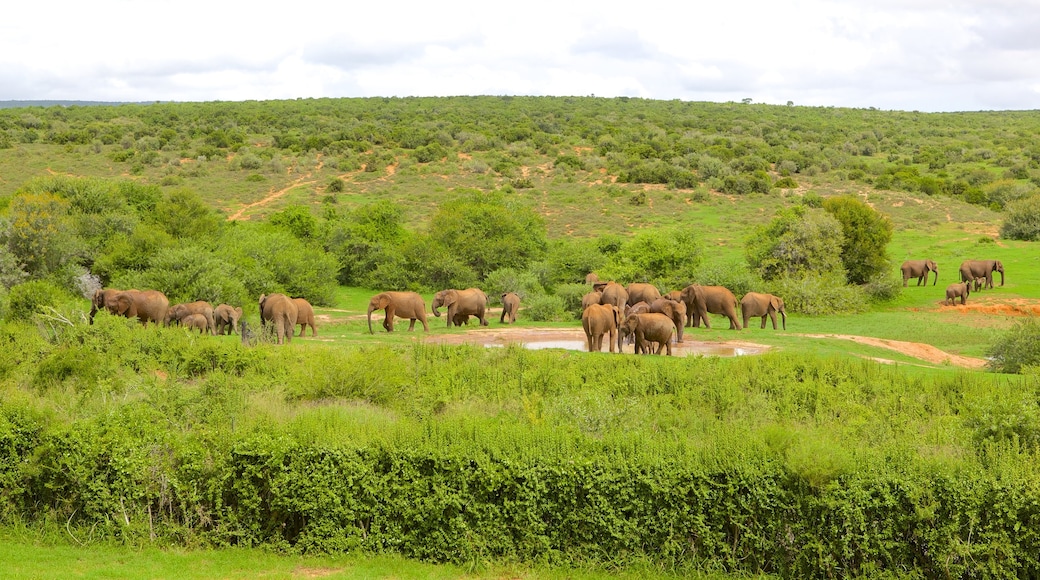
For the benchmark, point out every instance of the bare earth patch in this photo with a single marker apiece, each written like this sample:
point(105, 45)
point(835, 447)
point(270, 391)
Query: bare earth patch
point(925, 352)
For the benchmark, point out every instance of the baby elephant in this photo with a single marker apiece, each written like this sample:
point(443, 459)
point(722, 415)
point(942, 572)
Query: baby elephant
point(195, 322)
point(953, 291)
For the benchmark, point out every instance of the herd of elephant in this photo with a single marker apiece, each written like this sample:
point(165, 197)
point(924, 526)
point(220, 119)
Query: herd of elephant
point(283, 312)
point(637, 310)
point(974, 276)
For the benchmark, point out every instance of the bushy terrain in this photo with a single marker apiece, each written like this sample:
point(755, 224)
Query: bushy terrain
point(810, 461)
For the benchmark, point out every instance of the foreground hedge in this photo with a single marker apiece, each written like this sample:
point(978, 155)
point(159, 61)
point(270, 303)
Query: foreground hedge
point(123, 476)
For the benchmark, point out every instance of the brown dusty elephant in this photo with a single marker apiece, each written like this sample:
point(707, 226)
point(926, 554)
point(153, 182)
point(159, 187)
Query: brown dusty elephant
point(195, 321)
point(674, 295)
point(613, 293)
point(650, 327)
point(675, 310)
point(305, 316)
point(700, 300)
point(759, 304)
point(980, 282)
point(600, 319)
point(510, 305)
point(641, 292)
point(971, 269)
point(400, 304)
point(470, 302)
point(226, 318)
point(591, 278)
point(178, 312)
point(919, 269)
point(637, 308)
point(145, 305)
point(591, 298)
point(281, 311)
point(959, 290)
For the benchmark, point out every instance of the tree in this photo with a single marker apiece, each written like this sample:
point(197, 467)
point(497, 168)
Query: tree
point(866, 236)
point(367, 244)
point(183, 214)
point(666, 258)
point(38, 233)
point(797, 242)
point(1022, 220)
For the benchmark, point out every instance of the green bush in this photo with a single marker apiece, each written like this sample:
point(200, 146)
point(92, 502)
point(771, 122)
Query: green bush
point(819, 295)
point(546, 308)
point(1022, 220)
point(35, 297)
point(1019, 347)
point(570, 295)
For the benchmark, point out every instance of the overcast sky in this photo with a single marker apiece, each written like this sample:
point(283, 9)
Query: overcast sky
point(927, 55)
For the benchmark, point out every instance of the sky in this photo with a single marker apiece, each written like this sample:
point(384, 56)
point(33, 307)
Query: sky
point(923, 55)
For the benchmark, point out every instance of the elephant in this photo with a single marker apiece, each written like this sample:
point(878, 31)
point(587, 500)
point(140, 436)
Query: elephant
point(145, 305)
point(700, 300)
point(305, 316)
point(471, 302)
point(178, 312)
point(591, 298)
point(980, 282)
point(650, 327)
point(971, 269)
point(281, 311)
point(959, 290)
point(918, 269)
point(195, 321)
point(641, 292)
point(401, 304)
point(674, 295)
point(510, 304)
point(673, 309)
point(591, 278)
point(759, 304)
point(637, 308)
point(613, 293)
point(226, 318)
point(600, 319)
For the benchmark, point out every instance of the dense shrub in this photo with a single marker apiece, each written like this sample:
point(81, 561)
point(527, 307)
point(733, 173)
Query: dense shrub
point(1017, 349)
point(1022, 220)
point(570, 295)
point(798, 241)
point(819, 294)
point(865, 237)
point(35, 297)
point(546, 308)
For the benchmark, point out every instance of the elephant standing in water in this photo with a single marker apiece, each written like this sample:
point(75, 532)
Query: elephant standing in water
point(401, 304)
point(468, 302)
point(600, 319)
point(676, 310)
point(759, 304)
point(972, 269)
point(145, 305)
point(510, 305)
point(919, 269)
point(281, 311)
point(700, 300)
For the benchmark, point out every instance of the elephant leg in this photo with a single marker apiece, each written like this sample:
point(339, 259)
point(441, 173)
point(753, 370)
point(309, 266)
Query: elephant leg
point(772, 316)
point(411, 324)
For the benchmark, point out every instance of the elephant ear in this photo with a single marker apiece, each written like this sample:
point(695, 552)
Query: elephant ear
point(775, 303)
point(382, 302)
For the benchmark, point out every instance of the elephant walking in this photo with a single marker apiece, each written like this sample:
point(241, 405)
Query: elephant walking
point(650, 327)
point(510, 305)
point(408, 305)
point(178, 312)
point(468, 302)
point(919, 269)
point(305, 316)
point(226, 318)
point(600, 319)
point(145, 305)
point(700, 300)
point(281, 311)
point(759, 304)
point(959, 290)
point(971, 269)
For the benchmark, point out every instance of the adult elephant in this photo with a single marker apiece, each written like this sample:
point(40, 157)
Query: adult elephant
point(642, 292)
point(760, 304)
point(675, 310)
point(281, 311)
point(971, 269)
point(305, 316)
point(919, 269)
point(178, 312)
point(651, 327)
point(600, 319)
point(469, 302)
point(701, 300)
point(226, 318)
point(590, 298)
point(510, 306)
point(613, 293)
point(959, 290)
point(400, 304)
point(145, 305)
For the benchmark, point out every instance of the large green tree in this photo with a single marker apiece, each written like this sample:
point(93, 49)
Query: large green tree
point(866, 234)
point(799, 241)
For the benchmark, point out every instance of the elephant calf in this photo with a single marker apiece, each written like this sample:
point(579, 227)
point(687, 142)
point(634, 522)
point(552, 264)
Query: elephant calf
point(960, 290)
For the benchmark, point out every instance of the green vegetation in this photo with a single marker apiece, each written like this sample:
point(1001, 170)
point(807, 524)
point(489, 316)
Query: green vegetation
point(810, 461)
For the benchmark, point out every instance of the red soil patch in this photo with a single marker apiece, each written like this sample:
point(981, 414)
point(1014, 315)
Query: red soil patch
point(925, 352)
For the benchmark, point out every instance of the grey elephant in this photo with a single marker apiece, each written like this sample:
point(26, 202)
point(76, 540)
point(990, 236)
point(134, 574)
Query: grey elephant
point(673, 309)
point(195, 321)
point(305, 316)
point(281, 312)
point(959, 290)
point(652, 332)
point(469, 302)
point(613, 293)
point(510, 306)
point(979, 283)
point(701, 300)
point(971, 269)
point(919, 269)
point(177, 313)
point(600, 319)
point(145, 305)
point(760, 304)
point(408, 305)
point(642, 292)
point(226, 318)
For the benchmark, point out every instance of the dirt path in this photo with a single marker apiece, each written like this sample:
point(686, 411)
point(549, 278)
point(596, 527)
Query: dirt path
point(925, 352)
point(303, 180)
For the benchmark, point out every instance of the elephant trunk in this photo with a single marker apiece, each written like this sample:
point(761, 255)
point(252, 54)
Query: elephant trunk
point(436, 312)
point(370, 309)
point(1001, 277)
